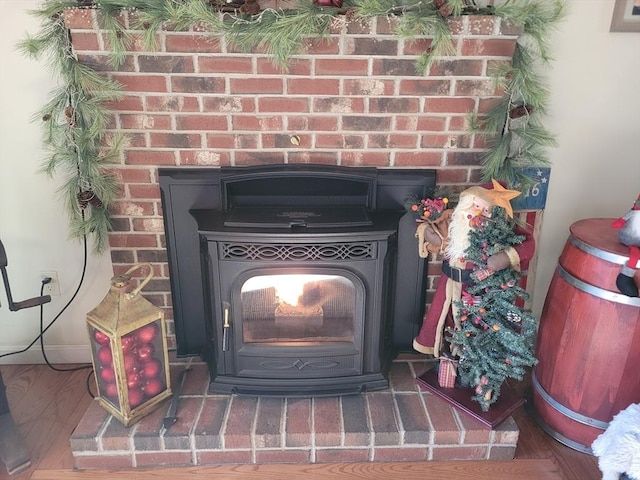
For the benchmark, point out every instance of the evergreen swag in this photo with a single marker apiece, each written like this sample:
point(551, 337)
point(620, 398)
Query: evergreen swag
point(74, 121)
point(495, 339)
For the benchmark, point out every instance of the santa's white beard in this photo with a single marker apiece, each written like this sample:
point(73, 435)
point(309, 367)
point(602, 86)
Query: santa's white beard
point(459, 229)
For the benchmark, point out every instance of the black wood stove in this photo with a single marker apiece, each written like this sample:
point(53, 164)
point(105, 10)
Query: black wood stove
point(294, 279)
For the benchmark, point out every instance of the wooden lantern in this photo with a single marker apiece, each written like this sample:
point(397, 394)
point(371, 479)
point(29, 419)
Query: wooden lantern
point(129, 350)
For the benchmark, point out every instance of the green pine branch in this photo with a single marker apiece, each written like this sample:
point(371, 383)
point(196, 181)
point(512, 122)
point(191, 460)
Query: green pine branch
point(74, 121)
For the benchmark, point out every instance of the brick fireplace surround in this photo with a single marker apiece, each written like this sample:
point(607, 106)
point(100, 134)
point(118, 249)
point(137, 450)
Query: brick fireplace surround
point(403, 423)
point(353, 99)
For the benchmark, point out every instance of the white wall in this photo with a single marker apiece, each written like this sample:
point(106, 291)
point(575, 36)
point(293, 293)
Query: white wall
point(595, 111)
point(595, 84)
point(32, 220)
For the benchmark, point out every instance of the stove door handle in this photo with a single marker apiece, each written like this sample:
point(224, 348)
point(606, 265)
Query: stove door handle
point(225, 328)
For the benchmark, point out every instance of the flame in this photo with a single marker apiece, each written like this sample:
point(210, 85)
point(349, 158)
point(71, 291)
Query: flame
point(289, 288)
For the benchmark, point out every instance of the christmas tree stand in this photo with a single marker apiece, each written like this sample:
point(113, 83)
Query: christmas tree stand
point(460, 398)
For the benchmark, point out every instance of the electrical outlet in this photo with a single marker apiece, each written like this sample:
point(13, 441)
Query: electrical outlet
point(53, 287)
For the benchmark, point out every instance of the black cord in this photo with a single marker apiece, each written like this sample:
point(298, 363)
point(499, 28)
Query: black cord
point(44, 355)
point(43, 331)
point(89, 384)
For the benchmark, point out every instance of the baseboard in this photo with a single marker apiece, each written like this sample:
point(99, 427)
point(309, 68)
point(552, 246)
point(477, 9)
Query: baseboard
point(57, 354)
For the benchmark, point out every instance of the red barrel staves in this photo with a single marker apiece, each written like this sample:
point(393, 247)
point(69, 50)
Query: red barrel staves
point(588, 345)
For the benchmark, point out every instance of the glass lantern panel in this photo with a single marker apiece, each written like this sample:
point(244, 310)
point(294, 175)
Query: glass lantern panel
point(298, 308)
point(143, 358)
point(104, 371)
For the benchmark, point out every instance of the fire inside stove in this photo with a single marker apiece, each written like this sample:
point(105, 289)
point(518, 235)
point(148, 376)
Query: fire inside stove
point(298, 308)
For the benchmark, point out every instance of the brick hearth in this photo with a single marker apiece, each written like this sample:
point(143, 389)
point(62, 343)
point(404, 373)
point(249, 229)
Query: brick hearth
point(402, 423)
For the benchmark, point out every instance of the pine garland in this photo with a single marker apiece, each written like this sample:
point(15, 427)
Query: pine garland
point(74, 121)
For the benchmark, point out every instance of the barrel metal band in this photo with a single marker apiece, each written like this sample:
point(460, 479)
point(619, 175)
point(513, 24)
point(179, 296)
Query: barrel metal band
point(578, 417)
point(597, 291)
point(554, 433)
point(596, 252)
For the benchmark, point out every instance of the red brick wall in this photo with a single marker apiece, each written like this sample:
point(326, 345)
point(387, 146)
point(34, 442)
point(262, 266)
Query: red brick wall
point(354, 99)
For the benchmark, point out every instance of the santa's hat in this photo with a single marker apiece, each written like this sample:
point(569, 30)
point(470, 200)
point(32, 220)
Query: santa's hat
point(494, 194)
point(636, 205)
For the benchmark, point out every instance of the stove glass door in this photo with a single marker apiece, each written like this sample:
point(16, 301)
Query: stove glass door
point(298, 309)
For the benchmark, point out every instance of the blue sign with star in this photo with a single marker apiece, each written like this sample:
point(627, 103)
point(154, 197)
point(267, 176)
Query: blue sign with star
point(534, 197)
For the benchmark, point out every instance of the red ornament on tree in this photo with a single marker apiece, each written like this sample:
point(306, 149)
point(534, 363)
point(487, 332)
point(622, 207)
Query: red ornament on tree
point(328, 3)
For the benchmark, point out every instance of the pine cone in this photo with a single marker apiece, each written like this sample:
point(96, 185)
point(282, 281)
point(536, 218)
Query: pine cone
point(96, 202)
point(350, 15)
point(250, 7)
point(69, 113)
point(84, 197)
point(521, 111)
point(445, 10)
point(439, 3)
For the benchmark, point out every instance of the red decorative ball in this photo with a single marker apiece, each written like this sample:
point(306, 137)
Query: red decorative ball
point(153, 387)
point(100, 337)
point(133, 380)
point(147, 333)
point(104, 355)
point(145, 352)
point(328, 3)
point(128, 342)
point(130, 361)
point(110, 390)
point(135, 397)
point(152, 368)
point(107, 374)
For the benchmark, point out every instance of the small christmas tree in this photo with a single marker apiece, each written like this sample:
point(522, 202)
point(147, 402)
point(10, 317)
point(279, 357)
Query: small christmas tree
point(495, 338)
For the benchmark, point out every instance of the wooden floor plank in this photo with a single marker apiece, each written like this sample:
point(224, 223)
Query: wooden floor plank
point(46, 406)
point(460, 470)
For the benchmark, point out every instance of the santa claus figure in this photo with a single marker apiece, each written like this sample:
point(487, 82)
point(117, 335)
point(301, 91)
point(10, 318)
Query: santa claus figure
point(456, 271)
point(629, 235)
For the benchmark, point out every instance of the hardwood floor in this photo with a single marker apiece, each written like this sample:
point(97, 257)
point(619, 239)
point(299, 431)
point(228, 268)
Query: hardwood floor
point(47, 405)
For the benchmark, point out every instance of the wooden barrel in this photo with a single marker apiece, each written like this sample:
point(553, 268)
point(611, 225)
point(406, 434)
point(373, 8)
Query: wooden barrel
point(588, 346)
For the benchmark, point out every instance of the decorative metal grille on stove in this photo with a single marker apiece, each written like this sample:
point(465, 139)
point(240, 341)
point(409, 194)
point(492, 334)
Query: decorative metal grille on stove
point(289, 252)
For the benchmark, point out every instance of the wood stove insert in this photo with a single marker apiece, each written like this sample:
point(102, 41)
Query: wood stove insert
point(299, 310)
point(339, 234)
